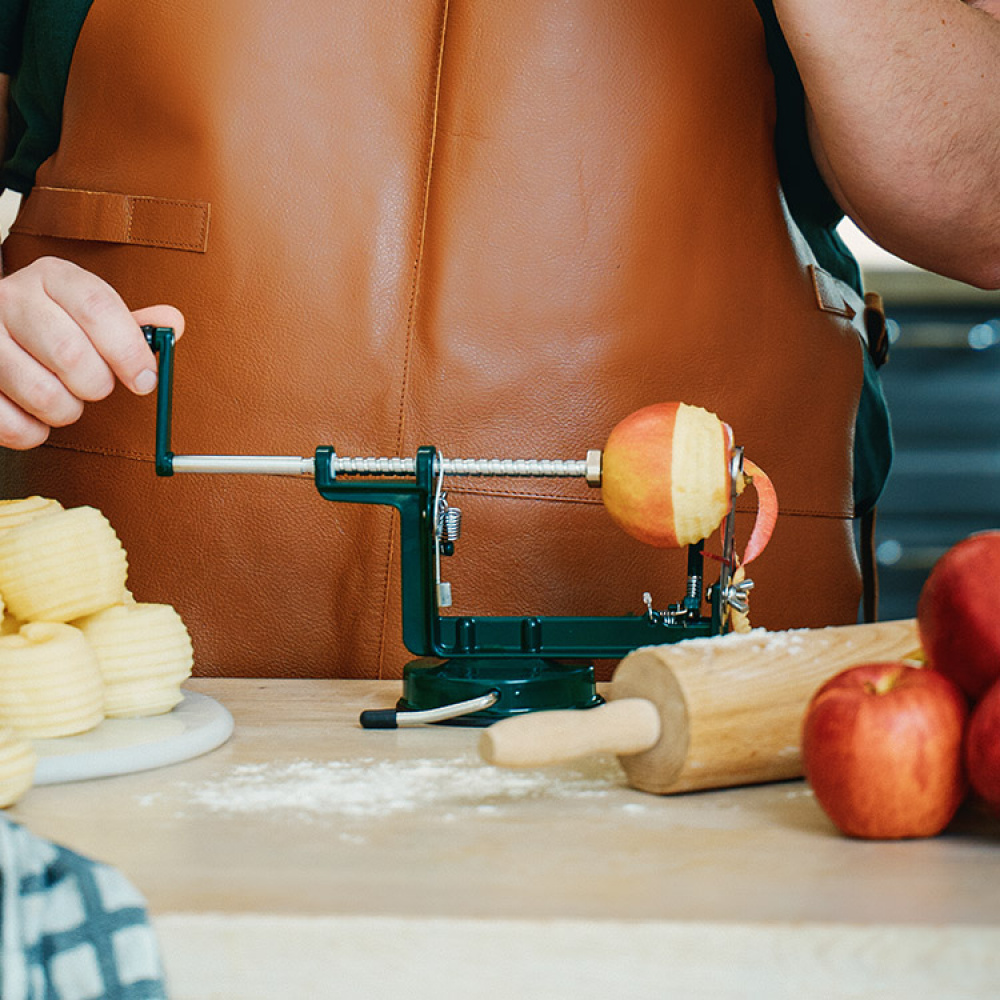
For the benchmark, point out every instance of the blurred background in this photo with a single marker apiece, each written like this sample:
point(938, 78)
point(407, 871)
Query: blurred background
point(942, 381)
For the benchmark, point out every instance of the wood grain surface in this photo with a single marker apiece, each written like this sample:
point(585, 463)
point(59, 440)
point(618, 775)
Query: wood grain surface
point(310, 858)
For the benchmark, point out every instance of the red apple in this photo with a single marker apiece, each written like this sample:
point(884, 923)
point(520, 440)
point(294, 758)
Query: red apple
point(957, 613)
point(665, 474)
point(982, 748)
point(882, 750)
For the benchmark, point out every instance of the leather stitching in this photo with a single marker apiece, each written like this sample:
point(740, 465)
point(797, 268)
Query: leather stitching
point(411, 319)
point(197, 244)
point(501, 494)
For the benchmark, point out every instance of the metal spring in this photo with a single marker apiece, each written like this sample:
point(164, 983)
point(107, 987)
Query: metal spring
point(451, 524)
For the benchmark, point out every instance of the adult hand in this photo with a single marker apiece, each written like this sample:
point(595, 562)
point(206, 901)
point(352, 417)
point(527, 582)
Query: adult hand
point(66, 336)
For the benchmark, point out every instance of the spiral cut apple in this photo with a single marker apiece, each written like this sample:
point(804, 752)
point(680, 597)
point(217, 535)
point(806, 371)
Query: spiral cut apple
point(17, 766)
point(144, 652)
point(61, 565)
point(24, 509)
point(666, 479)
point(50, 682)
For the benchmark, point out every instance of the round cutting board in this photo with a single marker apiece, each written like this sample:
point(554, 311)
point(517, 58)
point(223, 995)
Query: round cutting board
point(121, 746)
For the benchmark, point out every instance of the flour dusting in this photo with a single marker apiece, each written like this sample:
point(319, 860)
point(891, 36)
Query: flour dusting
point(757, 639)
point(369, 787)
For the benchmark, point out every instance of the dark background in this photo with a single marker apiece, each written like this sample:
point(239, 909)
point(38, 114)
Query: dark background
point(942, 382)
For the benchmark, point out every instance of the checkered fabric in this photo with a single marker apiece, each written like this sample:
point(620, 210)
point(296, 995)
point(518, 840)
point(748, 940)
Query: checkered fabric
point(71, 928)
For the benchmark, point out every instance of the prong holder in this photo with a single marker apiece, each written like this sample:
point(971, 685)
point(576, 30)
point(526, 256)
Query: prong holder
point(510, 664)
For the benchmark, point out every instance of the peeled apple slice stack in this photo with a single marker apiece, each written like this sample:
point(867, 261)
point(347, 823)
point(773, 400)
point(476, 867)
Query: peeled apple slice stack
point(144, 652)
point(75, 645)
point(50, 682)
point(15, 512)
point(665, 478)
point(17, 766)
point(61, 565)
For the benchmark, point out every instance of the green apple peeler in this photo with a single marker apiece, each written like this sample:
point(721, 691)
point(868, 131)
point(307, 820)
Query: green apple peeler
point(470, 669)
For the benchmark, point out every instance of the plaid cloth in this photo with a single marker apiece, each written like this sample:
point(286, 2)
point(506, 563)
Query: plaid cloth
point(71, 928)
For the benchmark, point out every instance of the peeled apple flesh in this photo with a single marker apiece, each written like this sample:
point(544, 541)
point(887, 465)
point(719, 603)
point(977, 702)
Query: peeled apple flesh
point(665, 477)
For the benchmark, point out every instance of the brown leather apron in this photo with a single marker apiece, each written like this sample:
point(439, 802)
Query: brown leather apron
point(494, 227)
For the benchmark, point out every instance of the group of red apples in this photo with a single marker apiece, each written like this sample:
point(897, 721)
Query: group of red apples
point(892, 750)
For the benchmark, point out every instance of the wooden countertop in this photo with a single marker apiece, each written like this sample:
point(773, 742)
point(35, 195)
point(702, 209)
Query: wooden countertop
point(309, 858)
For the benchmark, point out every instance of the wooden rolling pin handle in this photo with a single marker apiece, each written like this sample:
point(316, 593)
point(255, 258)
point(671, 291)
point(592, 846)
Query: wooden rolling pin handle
point(627, 726)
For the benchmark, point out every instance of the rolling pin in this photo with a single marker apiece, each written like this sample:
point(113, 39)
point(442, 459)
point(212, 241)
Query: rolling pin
point(703, 713)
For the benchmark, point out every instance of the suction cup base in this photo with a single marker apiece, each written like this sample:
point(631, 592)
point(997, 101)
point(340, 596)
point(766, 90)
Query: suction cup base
point(521, 685)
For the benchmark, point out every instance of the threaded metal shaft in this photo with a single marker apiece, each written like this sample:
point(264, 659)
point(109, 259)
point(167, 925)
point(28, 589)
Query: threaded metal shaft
point(523, 467)
point(287, 465)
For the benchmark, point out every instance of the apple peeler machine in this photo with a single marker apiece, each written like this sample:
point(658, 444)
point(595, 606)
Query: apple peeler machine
point(473, 669)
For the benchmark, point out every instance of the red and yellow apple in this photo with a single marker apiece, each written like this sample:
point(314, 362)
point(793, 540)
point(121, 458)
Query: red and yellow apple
point(882, 750)
point(957, 613)
point(666, 477)
point(982, 748)
point(665, 474)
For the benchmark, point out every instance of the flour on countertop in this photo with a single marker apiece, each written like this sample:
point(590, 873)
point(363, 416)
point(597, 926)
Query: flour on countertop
point(760, 638)
point(369, 787)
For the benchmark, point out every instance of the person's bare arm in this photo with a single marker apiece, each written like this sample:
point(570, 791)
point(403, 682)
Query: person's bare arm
point(903, 101)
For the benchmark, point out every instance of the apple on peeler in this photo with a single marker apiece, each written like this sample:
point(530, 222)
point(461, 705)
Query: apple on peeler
point(666, 480)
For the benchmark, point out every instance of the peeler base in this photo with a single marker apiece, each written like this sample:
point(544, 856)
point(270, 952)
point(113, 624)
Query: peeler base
point(521, 685)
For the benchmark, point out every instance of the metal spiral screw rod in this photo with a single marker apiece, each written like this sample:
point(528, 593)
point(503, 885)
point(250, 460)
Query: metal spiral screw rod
point(523, 467)
point(287, 465)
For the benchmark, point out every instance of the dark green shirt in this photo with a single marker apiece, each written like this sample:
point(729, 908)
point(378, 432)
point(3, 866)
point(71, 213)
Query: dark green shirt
point(37, 38)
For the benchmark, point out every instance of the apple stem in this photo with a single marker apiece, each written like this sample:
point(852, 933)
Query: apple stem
point(884, 684)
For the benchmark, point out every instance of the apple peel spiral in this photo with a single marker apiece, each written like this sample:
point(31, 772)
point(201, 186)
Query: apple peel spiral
point(666, 481)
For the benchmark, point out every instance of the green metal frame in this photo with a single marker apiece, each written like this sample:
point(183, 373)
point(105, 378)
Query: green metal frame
point(479, 639)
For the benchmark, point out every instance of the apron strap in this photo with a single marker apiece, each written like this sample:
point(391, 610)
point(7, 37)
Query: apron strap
point(108, 217)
